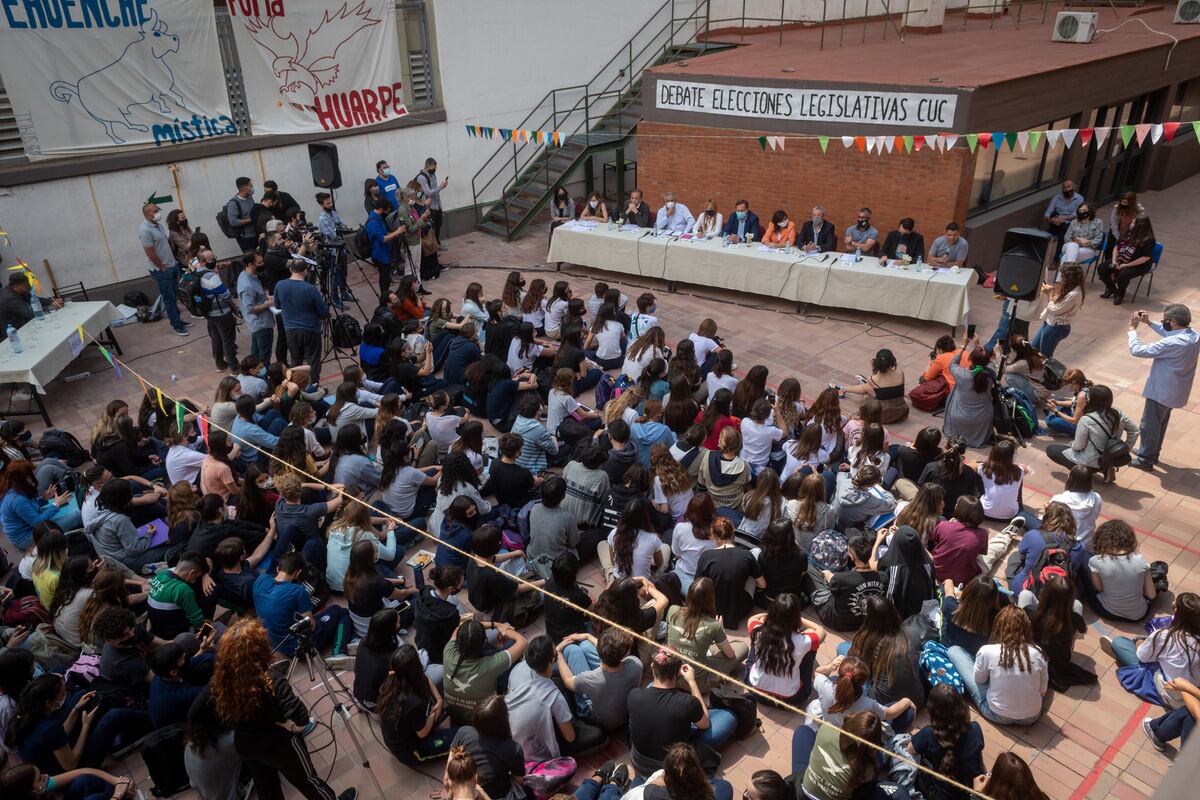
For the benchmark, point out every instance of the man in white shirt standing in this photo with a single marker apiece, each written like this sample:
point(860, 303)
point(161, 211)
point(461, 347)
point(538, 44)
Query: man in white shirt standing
point(1172, 371)
point(673, 217)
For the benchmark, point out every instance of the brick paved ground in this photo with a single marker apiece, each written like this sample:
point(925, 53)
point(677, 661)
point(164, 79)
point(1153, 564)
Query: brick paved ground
point(1080, 742)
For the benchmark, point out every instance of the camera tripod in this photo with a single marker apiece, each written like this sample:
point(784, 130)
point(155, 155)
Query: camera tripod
point(1004, 406)
point(307, 651)
point(328, 278)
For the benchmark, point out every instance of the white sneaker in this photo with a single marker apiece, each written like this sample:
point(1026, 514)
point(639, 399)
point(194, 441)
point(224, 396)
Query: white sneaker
point(1106, 644)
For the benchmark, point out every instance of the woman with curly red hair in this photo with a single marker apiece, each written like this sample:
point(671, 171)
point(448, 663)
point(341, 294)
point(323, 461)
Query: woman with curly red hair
point(267, 718)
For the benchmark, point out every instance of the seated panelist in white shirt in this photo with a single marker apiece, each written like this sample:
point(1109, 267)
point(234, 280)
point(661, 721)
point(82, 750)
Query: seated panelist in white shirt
point(673, 217)
point(710, 222)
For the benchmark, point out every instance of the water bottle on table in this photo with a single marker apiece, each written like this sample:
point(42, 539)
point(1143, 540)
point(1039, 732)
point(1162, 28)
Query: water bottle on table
point(36, 303)
point(14, 339)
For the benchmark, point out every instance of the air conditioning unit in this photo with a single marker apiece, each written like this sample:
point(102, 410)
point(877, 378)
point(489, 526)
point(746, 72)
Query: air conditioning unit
point(1188, 11)
point(1077, 26)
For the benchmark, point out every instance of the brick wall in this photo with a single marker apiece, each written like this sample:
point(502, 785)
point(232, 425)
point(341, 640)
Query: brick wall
point(932, 188)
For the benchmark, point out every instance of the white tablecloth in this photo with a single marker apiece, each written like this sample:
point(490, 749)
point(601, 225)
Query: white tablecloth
point(821, 280)
point(47, 343)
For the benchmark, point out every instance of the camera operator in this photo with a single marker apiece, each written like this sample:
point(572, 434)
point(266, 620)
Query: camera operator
point(303, 309)
point(329, 223)
point(297, 226)
point(279, 251)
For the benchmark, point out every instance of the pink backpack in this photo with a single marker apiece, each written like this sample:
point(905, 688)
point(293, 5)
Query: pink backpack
point(546, 777)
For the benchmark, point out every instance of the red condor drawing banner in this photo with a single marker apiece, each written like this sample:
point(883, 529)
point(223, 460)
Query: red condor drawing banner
point(318, 65)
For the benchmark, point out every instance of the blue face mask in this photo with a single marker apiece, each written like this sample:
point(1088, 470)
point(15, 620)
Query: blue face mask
point(741, 214)
point(262, 373)
point(652, 309)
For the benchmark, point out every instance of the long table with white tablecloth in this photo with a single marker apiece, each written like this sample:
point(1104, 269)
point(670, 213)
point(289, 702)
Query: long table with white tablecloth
point(48, 345)
point(824, 279)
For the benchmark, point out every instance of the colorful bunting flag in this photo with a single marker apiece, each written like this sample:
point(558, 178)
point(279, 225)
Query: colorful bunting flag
point(1156, 132)
point(1102, 136)
point(1085, 136)
point(985, 138)
point(918, 142)
point(949, 140)
point(1169, 129)
point(203, 420)
point(861, 143)
point(847, 141)
point(762, 142)
point(1143, 131)
point(555, 139)
point(1127, 132)
point(1068, 136)
point(889, 142)
point(1035, 139)
point(1011, 138)
point(908, 144)
point(972, 141)
point(824, 142)
point(1023, 140)
point(1052, 137)
point(180, 412)
point(1196, 129)
point(470, 131)
point(161, 407)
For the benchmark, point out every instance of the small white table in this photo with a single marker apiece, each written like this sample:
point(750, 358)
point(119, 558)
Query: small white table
point(50, 344)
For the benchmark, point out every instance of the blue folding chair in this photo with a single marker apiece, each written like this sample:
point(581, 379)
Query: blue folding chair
point(1154, 259)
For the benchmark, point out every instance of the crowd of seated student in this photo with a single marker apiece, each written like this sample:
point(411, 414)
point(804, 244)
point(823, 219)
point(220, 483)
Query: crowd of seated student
point(704, 496)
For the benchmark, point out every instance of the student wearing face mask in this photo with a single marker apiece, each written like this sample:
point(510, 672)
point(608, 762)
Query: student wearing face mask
point(818, 234)
point(562, 209)
point(743, 223)
point(594, 210)
point(387, 183)
point(781, 231)
point(238, 213)
point(180, 234)
point(673, 217)
point(1083, 237)
point(256, 309)
point(1123, 213)
point(710, 223)
point(1062, 210)
point(862, 237)
point(163, 266)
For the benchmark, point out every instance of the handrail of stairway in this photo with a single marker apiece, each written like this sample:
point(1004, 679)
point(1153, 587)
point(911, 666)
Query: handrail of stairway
point(552, 96)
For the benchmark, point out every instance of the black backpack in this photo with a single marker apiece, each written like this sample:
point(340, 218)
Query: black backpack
point(162, 751)
point(64, 446)
point(223, 224)
point(346, 333)
point(741, 704)
point(1051, 562)
point(190, 295)
point(362, 244)
point(135, 298)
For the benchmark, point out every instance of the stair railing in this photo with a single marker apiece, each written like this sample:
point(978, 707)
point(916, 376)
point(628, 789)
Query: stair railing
point(572, 110)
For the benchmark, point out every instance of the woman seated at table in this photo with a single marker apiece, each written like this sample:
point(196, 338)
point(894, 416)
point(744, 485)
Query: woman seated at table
point(781, 231)
point(594, 210)
point(886, 385)
point(709, 222)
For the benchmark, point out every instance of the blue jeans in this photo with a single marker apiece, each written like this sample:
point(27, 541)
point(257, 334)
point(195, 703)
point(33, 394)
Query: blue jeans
point(588, 382)
point(592, 790)
point(1175, 724)
point(721, 725)
point(803, 740)
point(582, 657)
point(1002, 326)
point(167, 281)
point(260, 344)
point(1125, 651)
point(1060, 424)
point(964, 662)
point(1048, 337)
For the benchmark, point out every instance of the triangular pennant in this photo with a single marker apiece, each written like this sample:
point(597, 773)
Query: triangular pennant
point(908, 143)
point(889, 142)
point(984, 139)
point(1023, 140)
point(847, 141)
point(872, 143)
point(824, 142)
point(781, 140)
point(972, 141)
point(918, 142)
point(82, 338)
point(104, 352)
point(1156, 132)
point(762, 142)
point(1127, 132)
point(470, 132)
point(180, 412)
point(145, 388)
point(1052, 137)
point(203, 420)
point(161, 407)
point(1196, 129)
point(1143, 131)
point(1085, 136)
point(554, 138)
point(1035, 139)
point(949, 140)
point(1169, 129)
point(1011, 138)
point(861, 143)
point(1102, 136)
point(1068, 135)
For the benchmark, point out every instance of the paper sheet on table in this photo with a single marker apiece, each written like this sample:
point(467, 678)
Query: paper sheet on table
point(762, 248)
point(75, 343)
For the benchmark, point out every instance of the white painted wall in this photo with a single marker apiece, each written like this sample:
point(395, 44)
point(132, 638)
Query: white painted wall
point(495, 61)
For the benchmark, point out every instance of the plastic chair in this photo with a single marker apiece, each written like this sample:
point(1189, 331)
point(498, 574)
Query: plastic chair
point(1154, 259)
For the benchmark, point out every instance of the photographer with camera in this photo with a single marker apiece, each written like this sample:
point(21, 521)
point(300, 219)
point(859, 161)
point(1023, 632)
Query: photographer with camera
point(333, 232)
point(303, 309)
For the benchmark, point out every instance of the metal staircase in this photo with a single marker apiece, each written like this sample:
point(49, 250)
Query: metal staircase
point(597, 116)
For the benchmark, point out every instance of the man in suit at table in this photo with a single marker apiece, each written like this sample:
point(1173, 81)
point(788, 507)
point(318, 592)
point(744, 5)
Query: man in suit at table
point(818, 235)
point(742, 223)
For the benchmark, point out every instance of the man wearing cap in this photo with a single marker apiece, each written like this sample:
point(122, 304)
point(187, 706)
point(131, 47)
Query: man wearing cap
point(1172, 371)
point(16, 303)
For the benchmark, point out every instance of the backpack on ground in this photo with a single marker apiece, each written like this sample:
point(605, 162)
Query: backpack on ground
point(606, 390)
point(135, 298)
point(545, 778)
point(26, 611)
point(1052, 374)
point(162, 751)
point(1053, 561)
point(345, 333)
point(741, 704)
point(523, 520)
point(937, 668)
point(223, 224)
point(1014, 413)
point(63, 445)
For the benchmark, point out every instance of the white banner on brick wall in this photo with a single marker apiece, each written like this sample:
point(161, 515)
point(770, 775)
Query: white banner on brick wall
point(318, 65)
point(88, 76)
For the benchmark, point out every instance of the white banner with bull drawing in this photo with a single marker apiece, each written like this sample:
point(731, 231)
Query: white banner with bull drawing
point(318, 65)
point(91, 75)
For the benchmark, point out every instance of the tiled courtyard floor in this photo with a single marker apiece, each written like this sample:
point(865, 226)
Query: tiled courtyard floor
point(1090, 743)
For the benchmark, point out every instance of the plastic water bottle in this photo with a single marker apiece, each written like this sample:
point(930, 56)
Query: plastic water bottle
point(14, 339)
point(920, 262)
point(36, 303)
point(858, 254)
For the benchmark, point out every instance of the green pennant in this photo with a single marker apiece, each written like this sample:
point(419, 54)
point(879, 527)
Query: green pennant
point(1011, 138)
point(104, 352)
point(180, 412)
point(908, 143)
point(1126, 134)
point(972, 141)
point(1035, 138)
point(824, 142)
point(1196, 129)
point(762, 142)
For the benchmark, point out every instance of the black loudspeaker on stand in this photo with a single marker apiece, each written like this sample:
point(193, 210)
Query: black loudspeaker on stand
point(323, 159)
point(1024, 258)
